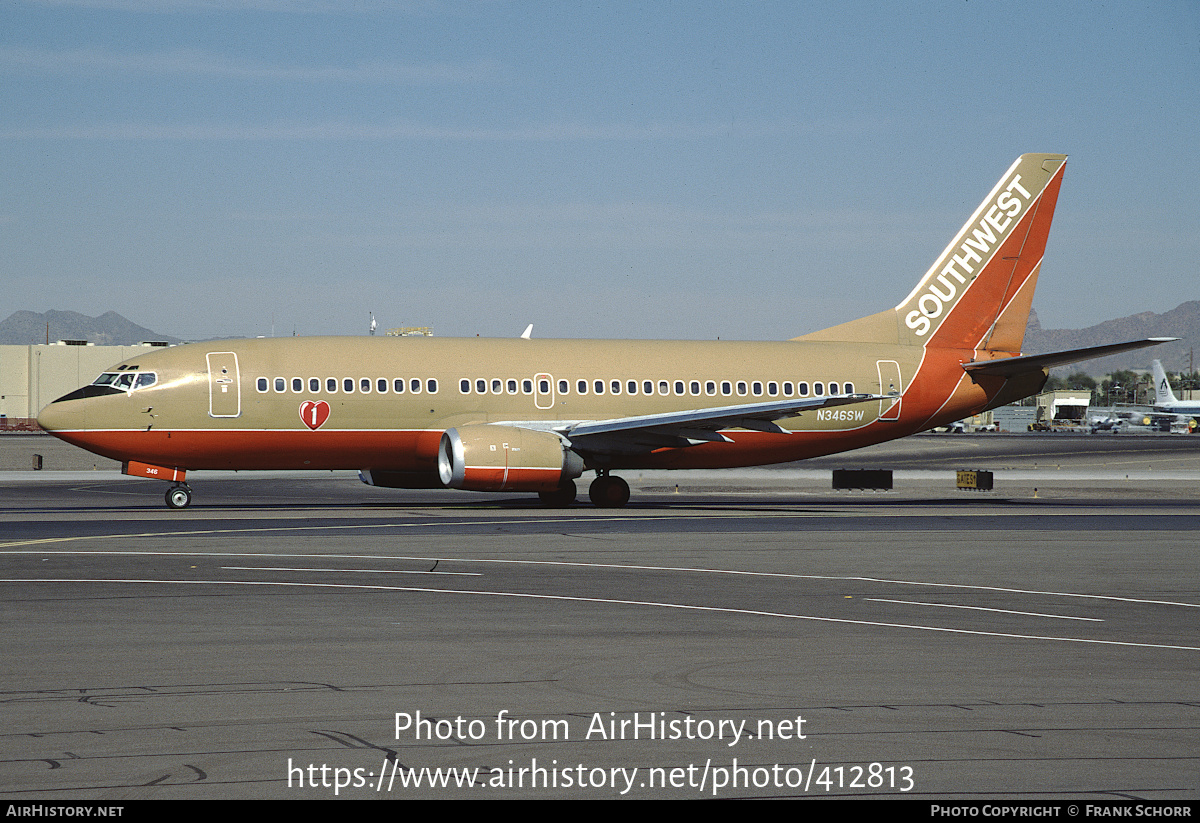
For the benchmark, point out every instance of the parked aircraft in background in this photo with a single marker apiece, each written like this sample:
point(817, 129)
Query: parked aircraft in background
point(1164, 398)
point(530, 415)
point(1126, 421)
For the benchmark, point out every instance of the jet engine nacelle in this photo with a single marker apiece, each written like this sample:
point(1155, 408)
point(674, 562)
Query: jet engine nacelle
point(505, 458)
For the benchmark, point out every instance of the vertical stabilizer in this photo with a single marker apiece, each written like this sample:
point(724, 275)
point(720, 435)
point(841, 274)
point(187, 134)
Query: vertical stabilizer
point(1162, 389)
point(979, 292)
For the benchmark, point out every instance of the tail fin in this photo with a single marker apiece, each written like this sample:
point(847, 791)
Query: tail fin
point(979, 292)
point(1162, 389)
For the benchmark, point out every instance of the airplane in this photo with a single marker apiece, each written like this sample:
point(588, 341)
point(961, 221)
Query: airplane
point(530, 415)
point(1164, 398)
point(1121, 422)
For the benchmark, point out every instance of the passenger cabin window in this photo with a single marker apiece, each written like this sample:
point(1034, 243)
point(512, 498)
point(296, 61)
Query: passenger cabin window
point(431, 385)
point(398, 385)
point(802, 389)
point(297, 384)
point(848, 388)
point(314, 384)
point(381, 385)
point(833, 388)
point(261, 384)
point(563, 386)
point(364, 385)
point(819, 389)
point(280, 384)
point(527, 386)
point(726, 388)
point(496, 387)
point(331, 385)
point(581, 387)
point(464, 386)
point(511, 386)
point(615, 387)
point(415, 385)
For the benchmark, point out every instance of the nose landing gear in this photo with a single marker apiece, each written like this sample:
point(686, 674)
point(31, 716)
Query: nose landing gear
point(179, 496)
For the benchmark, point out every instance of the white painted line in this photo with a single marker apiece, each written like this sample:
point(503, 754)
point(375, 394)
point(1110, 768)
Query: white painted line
point(980, 609)
point(345, 571)
point(630, 567)
point(608, 601)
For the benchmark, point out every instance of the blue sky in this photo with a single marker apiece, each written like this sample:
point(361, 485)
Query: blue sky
point(648, 170)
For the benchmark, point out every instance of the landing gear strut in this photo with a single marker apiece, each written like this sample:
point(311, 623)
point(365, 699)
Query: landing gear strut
point(608, 491)
point(179, 496)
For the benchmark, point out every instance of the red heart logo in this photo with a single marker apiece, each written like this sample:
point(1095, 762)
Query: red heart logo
point(314, 413)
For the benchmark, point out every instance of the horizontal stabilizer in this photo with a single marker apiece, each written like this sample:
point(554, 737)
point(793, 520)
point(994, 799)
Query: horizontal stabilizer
point(1010, 366)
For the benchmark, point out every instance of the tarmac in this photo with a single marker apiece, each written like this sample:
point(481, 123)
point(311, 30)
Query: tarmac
point(740, 634)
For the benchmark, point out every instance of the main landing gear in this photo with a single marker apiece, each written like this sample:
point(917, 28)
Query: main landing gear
point(608, 491)
point(561, 497)
point(179, 496)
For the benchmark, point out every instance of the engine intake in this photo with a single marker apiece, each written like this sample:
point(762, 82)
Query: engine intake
point(505, 458)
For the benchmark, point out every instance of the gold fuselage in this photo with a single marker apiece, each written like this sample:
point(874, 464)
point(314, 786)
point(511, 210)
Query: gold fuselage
point(196, 417)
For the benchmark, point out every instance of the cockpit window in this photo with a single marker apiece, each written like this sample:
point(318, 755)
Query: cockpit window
point(126, 381)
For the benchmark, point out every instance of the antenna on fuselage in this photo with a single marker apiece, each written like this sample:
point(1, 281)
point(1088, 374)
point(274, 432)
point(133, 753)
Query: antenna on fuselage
point(373, 324)
point(528, 333)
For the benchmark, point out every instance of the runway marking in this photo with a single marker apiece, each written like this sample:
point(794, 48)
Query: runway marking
point(347, 571)
point(611, 601)
point(331, 526)
point(981, 609)
point(630, 567)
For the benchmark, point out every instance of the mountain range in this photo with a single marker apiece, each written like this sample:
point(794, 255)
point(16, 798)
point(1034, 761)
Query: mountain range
point(24, 328)
point(1183, 321)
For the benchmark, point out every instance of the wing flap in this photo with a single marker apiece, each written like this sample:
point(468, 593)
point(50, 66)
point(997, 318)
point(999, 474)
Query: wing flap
point(695, 426)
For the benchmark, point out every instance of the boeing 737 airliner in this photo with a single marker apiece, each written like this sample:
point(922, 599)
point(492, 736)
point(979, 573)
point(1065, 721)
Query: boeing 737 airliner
point(527, 415)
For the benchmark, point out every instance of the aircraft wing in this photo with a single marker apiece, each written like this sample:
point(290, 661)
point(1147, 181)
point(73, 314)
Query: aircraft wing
point(1010, 366)
point(688, 428)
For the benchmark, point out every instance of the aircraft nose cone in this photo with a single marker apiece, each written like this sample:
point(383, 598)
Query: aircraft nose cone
point(57, 417)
